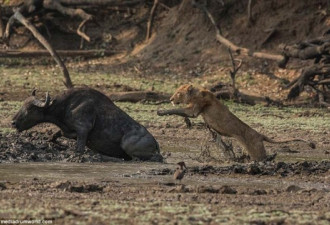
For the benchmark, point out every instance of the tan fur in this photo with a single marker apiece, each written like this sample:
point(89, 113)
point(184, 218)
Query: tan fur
point(218, 117)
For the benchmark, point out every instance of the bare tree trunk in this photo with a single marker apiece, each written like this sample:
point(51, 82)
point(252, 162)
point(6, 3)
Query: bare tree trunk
point(71, 53)
point(17, 15)
point(1, 24)
point(149, 25)
point(249, 9)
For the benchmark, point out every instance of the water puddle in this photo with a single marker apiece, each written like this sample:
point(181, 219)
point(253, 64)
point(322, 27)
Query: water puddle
point(137, 173)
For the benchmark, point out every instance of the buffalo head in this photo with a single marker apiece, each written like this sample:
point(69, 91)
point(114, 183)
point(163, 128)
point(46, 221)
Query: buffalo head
point(31, 113)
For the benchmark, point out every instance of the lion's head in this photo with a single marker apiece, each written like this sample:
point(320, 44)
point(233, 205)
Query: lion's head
point(183, 94)
point(187, 94)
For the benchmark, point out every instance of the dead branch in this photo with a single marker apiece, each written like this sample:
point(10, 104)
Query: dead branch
point(307, 76)
point(1, 24)
point(226, 92)
point(81, 31)
point(18, 16)
point(164, 6)
point(322, 101)
point(150, 20)
point(100, 2)
point(9, 25)
point(281, 59)
point(56, 5)
point(136, 96)
point(325, 82)
point(27, 6)
point(68, 53)
point(235, 68)
point(249, 10)
point(310, 51)
point(234, 71)
point(315, 49)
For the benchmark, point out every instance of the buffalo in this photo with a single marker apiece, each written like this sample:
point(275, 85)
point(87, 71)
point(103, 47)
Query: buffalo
point(94, 120)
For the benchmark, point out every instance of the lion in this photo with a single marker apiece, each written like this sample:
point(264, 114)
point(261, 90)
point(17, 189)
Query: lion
point(218, 117)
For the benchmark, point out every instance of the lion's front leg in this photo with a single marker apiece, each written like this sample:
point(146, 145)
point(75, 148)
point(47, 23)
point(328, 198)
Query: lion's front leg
point(191, 112)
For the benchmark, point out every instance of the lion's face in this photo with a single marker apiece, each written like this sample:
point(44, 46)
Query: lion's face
point(182, 95)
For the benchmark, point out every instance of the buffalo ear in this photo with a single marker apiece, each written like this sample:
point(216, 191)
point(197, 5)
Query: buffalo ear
point(47, 100)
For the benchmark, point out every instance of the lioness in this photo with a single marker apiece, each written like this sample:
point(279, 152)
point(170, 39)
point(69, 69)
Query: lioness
point(218, 117)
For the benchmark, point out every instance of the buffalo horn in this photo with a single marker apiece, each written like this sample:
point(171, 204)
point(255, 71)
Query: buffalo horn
point(41, 104)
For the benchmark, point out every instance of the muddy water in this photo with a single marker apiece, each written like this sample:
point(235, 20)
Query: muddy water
point(75, 171)
point(137, 173)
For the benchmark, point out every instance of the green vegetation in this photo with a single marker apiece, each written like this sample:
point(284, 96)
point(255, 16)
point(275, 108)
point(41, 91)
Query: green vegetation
point(156, 212)
point(20, 81)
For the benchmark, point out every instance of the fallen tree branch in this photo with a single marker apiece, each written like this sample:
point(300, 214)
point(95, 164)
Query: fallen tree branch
point(306, 52)
point(100, 2)
point(322, 101)
point(150, 20)
point(307, 74)
point(81, 30)
point(18, 16)
point(27, 6)
point(56, 5)
point(226, 92)
point(2, 28)
point(325, 82)
point(68, 53)
point(316, 49)
point(136, 96)
point(281, 59)
point(9, 24)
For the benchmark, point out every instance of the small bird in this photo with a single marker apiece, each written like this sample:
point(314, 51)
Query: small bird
point(180, 171)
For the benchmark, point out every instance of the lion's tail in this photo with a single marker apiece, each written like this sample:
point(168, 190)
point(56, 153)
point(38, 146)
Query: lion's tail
point(310, 144)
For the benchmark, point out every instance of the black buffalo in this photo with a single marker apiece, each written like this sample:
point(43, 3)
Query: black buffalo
point(94, 120)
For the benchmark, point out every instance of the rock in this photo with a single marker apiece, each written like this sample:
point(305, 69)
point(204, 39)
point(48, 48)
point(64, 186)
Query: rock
point(86, 188)
point(209, 189)
point(259, 192)
point(3, 186)
point(293, 188)
point(253, 169)
point(62, 185)
point(227, 190)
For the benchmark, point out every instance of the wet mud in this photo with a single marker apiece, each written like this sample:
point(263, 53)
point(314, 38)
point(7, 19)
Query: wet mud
point(51, 181)
point(35, 146)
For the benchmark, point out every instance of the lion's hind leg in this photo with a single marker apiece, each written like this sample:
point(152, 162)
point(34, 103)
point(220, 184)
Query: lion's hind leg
point(255, 148)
